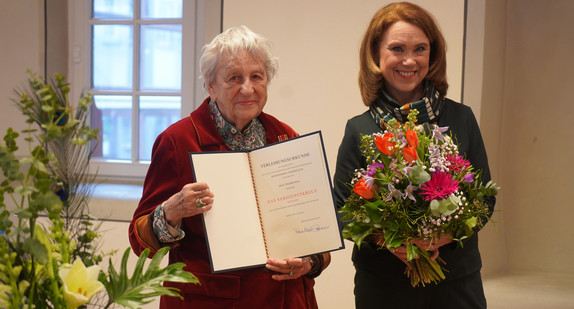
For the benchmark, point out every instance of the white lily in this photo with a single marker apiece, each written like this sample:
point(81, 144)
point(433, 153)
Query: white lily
point(80, 283)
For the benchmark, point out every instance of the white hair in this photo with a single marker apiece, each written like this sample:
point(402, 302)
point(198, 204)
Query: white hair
point(234, 41)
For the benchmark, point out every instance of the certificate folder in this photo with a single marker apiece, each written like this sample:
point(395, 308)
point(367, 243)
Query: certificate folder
point(271, 202)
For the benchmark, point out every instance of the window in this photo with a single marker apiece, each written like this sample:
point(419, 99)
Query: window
point(138, 59)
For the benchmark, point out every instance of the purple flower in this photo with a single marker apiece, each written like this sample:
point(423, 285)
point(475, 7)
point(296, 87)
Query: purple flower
point(393, 192)
point(407, 170)
point(373, 167)
point(437, 133)
point(468, 178)
point(369, 180)
point(402, 139)
point(409, 192)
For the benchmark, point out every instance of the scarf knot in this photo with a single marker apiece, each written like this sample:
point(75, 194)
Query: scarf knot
point(386, 108)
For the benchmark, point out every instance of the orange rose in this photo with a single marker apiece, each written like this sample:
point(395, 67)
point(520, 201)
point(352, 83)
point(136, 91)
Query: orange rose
point(362, 189)
point(384, 143)
point(412, 138)
point(410, 154)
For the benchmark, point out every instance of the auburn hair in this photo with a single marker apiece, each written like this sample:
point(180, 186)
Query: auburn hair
point(370, 76)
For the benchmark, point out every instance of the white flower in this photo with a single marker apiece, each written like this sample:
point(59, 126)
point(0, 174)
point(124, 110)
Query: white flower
point(80, 283)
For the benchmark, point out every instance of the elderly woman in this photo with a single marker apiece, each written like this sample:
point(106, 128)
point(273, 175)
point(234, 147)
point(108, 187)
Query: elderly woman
point(236, 67)
point(403, 67)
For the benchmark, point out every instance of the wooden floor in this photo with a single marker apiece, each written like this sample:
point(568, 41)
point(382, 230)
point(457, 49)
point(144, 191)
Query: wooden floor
point(530, 291)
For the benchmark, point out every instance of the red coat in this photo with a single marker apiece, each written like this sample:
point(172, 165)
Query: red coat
point(169, 171)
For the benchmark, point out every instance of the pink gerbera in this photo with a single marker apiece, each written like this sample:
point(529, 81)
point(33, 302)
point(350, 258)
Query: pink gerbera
point(457, 163)
point(439, 186)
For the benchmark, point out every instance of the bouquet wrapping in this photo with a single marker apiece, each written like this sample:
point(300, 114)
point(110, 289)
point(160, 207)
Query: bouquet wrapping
point(415, 189)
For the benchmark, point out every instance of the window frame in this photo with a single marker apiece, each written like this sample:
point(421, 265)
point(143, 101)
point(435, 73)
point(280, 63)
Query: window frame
point(201, 21)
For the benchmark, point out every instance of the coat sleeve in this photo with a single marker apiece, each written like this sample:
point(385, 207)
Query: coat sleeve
point(349, 158)
point(478, 157)
point(160, 183)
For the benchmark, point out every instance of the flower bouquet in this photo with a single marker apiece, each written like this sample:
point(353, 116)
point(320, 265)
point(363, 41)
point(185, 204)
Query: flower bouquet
point(415, 189)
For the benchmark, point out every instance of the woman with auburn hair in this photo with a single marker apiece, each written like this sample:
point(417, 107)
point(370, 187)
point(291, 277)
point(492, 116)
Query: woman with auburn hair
point(403, 67)
point(370, 77)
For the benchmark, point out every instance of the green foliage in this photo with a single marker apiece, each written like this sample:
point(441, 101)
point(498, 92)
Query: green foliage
point(143, 286)
point(57, 138)
point(53, 182)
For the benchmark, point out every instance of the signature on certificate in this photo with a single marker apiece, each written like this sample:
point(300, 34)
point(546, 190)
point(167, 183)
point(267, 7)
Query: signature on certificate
point(311, 229)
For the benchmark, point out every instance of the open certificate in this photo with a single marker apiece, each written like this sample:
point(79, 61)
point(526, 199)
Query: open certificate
point(272, 202)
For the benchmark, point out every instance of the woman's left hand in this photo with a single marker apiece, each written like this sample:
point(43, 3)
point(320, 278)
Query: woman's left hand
point(433, 244)
point(290, 268)
point(428, 244)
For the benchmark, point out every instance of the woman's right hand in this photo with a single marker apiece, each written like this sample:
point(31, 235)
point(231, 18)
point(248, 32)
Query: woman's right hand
point(428, 244)
point(193, 199)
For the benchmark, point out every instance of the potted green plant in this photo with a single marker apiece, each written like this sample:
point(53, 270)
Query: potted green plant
point(56, 264)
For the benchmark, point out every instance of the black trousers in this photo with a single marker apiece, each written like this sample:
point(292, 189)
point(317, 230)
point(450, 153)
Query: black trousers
point(373, 291)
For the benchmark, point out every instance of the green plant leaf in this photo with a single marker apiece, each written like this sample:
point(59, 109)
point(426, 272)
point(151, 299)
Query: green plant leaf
point(412, 251)
point(37, 249)
point(419, 175)
point(356, 232)
point(372, 209)
point(144, 285)
point(392, 240)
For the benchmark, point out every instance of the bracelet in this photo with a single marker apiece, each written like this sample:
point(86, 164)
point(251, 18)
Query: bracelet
point(162, 229)
point(317, 263)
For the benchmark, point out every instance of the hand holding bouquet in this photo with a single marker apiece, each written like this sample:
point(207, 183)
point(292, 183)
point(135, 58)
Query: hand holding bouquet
point(417, 189)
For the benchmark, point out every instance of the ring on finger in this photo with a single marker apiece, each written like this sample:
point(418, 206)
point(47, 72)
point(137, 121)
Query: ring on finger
point(291, 271)
point(199, 203)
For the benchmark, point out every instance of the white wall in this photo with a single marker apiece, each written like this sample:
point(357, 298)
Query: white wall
point(486, 83)
point(537, 135)
point(526, 123)
point(19, 50)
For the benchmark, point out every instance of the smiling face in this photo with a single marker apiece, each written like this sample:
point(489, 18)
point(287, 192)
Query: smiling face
point(404, 61)
point(239, 88)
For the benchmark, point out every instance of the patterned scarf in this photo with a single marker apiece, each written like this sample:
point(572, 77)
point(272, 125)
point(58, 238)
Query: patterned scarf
point(252, 137)
point(386, 108)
